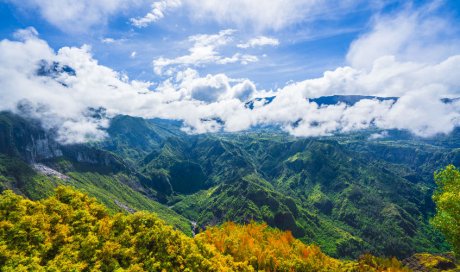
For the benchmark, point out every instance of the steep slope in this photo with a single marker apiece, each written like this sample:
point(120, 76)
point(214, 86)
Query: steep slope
point(133, 138)
point(343, 192)
point(32, 163)
point(347, 202)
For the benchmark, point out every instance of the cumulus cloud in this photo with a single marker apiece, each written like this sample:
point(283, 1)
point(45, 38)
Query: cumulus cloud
point(212, 88)
point(259, 41)
point(203, 51)
point(75, 96)
point(158, 12)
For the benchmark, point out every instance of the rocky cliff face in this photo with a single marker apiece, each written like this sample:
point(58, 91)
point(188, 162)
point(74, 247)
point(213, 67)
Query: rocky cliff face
point(41, 148)
point(27, 140)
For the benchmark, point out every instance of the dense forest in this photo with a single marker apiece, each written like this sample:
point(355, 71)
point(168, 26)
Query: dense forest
point(71, 231)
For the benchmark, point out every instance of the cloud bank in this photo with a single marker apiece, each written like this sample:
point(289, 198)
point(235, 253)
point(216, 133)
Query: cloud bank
point(75, 96)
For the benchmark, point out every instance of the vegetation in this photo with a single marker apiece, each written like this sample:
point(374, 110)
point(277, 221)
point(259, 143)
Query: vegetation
point(70, 231)
point(432, 262)
point(347, 202)
point(345, 193)
point(111, 190)
point(268, 249)
point(447, 199)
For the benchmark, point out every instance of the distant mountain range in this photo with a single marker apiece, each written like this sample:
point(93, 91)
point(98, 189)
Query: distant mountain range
point(349, 100)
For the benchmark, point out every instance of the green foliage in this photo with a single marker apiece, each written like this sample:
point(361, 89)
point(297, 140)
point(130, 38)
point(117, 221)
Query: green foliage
point(243, 201)
point(115, 194)
point(112, 190)
point(447, 199)
point(347, 202)
point(16, 174)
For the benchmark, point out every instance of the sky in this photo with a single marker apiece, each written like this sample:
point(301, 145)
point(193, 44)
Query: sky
point(200, 61)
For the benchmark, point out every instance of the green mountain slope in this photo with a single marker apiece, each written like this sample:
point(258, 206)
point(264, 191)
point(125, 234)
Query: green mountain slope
point(33, 164)
point(346, 193)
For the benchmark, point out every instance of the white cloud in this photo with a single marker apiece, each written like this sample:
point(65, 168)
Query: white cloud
point(212, 88)
point(79, 16)
point(67, 101)
point(255, 14)
point(75, 16)
point(408, 36)
point(158, 12)
point(26, 33)
point(259, 41)
point(379, 135)
point(203, 51)
point(108, 40)
point(263, 15)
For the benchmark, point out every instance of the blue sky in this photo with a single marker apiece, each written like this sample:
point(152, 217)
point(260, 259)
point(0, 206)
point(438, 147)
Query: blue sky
point(308, 45)
point(200, 61)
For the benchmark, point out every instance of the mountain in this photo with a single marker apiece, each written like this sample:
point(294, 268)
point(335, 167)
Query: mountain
point(348, 100)
point(32, 163)
point(349, 193)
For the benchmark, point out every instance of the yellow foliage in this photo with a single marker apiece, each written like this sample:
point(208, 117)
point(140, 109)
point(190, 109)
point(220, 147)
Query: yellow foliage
point(268, 249)
point(72, 232)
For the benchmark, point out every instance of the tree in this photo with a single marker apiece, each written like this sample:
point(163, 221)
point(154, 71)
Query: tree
point(447, 200)
point(72, 232)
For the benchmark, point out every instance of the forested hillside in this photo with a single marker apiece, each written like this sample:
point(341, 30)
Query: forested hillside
point(349, 194)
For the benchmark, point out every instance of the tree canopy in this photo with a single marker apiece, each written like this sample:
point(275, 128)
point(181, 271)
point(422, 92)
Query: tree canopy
point(447, 199)
point(70, 231)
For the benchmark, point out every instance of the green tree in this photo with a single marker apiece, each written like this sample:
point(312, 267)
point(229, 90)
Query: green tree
point(447, 199)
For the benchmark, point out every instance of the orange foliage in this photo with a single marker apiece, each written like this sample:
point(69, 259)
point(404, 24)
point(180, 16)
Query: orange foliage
point(267, 249)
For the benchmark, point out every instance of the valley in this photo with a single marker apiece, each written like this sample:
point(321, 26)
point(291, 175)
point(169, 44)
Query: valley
point(349, 194)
